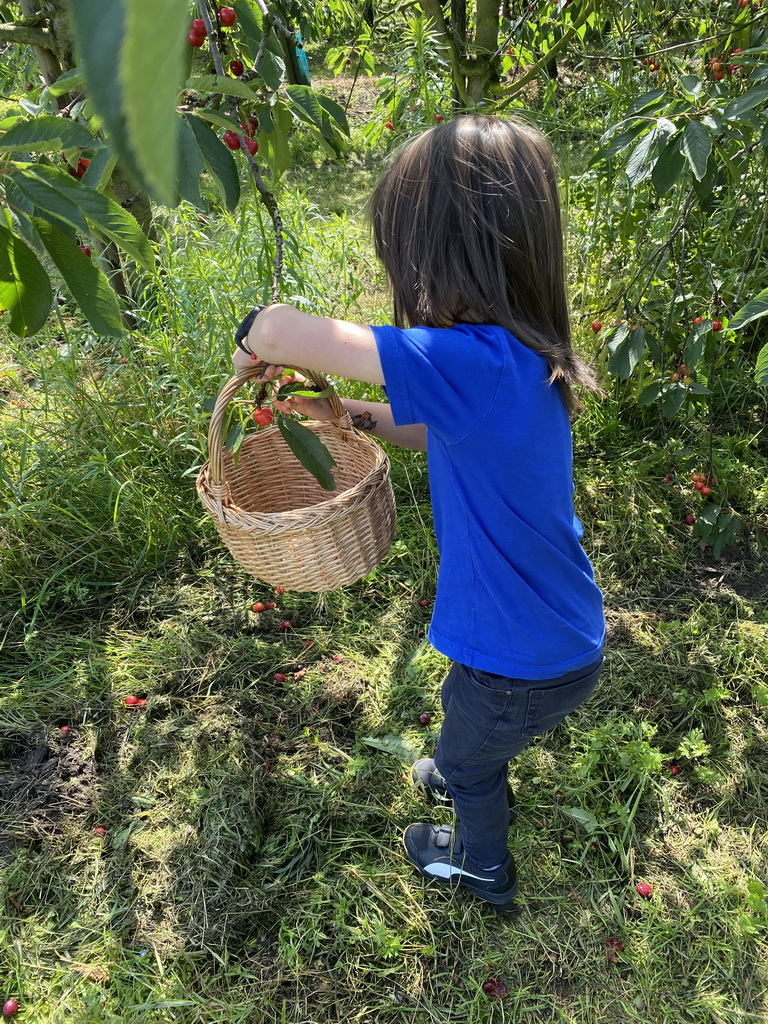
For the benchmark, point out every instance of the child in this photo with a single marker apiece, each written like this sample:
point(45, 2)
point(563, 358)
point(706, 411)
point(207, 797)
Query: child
point(480, 372)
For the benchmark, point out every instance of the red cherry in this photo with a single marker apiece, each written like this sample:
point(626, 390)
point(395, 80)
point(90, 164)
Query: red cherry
point(596, 326)
point(231, 140)
point(644, 889)
point(227, 16)
point(100, 831)
point(338, 657)
point(85, 251)
point(279, 677)
point(285, 625)
point(64, 729)
point(10, 1007)
point(195, 38)
point(706, 490)
point(690, 519)
point(199, 25)
point(495, 988)
point(236, 67)
point(263, 417)
point(698, 485)
point(270, 606)
point(439, 117)
point(252, 146)
point(424, 603)
point(425, 718)
point(698, 320)
point(388, 124)
point(131, 701)
point(718, 76)
point(736, 52)
point(258, 607)
point(279, 590)
point(307, 643)
point(674, 769)
point(717, 325)
point(616, 944)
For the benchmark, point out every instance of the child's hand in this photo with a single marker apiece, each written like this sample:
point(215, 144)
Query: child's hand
point(315, 408)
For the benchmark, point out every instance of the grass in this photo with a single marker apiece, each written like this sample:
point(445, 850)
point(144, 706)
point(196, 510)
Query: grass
point(251, 868)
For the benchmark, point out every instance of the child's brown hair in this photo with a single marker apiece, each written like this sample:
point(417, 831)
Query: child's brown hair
point(467, 223)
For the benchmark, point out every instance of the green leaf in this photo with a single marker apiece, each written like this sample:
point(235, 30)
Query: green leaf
point(234, 439)
point(761, 367)
point(691, 84)
point(668, 167)
point(295, 387)
point(406, 751)
point(307, 105)
point(48, 199)
point(68, 82)
point(103, 214)
point(150, 72)
point(247, 28)
point(641, 160)
point(191, 165)
point(696, 145)
point(334, 111)
point(756, 307)
point(46, 133)
point(674, 396)
point(220, 160)
point(275, 124)
point(650, 394)
point(647, 102)
point(88, 285)
point(223, 86)
point(586, 819)
point(99, 30)
point(309, 450)
point(747, 101)
point(619, 143)
point(25, 291)
point(625, 348)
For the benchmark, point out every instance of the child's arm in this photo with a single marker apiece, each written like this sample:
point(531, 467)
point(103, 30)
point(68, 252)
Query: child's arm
point(285, 336)
point(411, 435)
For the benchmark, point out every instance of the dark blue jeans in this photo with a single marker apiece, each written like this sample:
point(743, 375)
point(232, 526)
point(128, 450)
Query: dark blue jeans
point(489, 719)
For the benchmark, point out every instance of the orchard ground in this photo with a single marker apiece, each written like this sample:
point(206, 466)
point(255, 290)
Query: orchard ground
point(230, 851)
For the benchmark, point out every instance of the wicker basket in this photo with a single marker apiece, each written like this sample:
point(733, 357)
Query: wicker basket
point(274, 517)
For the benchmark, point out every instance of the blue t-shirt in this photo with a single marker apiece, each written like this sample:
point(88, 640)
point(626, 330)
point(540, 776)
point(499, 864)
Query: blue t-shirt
point(515, 591)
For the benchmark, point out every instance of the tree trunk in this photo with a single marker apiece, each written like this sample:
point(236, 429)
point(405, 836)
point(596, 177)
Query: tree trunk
point(484, 68)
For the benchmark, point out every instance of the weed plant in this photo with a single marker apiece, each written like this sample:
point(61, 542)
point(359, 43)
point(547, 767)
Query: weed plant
point(250, 868)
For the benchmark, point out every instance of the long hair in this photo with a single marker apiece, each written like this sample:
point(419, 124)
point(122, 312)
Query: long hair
point(466, 220)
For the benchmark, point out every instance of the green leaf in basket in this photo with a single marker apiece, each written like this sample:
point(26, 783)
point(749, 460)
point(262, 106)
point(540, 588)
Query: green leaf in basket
point(309, 450)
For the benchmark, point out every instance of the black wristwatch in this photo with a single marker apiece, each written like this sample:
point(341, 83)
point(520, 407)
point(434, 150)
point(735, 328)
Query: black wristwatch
point(244, 328)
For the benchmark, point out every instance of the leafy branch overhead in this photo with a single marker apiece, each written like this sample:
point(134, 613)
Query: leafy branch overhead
point(147, 111)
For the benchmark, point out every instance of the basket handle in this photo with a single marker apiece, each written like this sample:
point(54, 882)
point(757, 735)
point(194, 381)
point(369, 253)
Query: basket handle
point(228, 392)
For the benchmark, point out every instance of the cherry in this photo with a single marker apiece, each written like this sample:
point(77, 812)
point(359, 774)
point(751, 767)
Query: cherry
point(99, 831)
point(690, 519)
point(258, 607)
point(718, 76)
point(743, 3)
point(199, 25)
point(236, 67)
point(717, 325)
point(736, 52)
point(82, 166)
point(425, 718)
point(706, 491)
point(698, 485)
point(668, 478)
point(674, 769)
point(85, 251)
point(307, 643)
point(338, 657)
point(263, 417)
point(698, 320)
point(227, 16)
point(64, 729)
point(131, 701)
point(596, 326)
point(231, 140)
point(495, 988)
point(270, 606)
point(644, 889)
point(279, 590)
point(388, 124)
point(424, 603)
point(279, 677)
point(252, 146)
point(616, 944)
point(10, 1007)
point(439, 117)
point(195, 38)
point(285, 625)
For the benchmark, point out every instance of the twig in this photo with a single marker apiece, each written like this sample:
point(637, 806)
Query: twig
point(215, 52)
